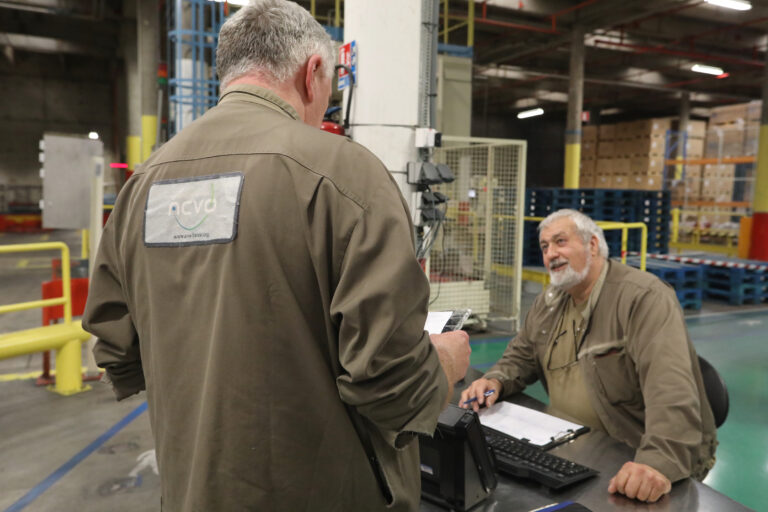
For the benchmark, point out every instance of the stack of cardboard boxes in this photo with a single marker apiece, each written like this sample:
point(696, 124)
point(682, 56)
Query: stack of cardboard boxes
point(624, 155)
point(684, 180)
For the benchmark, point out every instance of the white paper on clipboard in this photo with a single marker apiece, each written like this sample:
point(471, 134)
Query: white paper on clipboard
point(444, 321)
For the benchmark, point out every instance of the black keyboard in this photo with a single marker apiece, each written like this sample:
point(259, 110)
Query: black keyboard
point(518, 458)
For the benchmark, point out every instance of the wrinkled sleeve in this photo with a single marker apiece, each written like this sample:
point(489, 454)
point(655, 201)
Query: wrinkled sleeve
point(390, 371)
point(517, 367)
point(107, 317)
point(658, 345)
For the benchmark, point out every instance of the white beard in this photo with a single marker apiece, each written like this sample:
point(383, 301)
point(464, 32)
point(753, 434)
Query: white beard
point(567, 278)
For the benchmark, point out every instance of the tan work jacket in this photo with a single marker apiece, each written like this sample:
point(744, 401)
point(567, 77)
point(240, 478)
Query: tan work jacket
point(257, 276)
point(639, 366)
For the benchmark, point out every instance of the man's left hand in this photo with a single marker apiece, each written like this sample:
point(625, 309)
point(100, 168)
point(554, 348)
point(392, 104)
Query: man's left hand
point(641, 482)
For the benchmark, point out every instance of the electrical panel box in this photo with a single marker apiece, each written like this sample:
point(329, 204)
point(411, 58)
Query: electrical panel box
point(68, 164)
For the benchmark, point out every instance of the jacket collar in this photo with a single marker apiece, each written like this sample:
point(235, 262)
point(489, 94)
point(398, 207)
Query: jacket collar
point(260, 96)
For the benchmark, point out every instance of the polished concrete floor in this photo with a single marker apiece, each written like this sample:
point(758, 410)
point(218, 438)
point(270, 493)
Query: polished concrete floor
point(89, 453)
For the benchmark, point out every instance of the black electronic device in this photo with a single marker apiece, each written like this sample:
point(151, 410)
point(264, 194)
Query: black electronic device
point(518, 458)
point(457, 469)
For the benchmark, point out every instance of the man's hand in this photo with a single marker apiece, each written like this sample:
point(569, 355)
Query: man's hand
point(640, 482)
point(453, 351)
point(477, 390)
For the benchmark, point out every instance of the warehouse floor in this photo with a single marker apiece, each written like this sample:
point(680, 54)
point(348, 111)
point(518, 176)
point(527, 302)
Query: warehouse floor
point(89, 453)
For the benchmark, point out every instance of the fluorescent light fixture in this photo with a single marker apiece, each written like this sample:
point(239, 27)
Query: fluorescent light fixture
point(738, 5)
point(93, 136)
point(610, 111)
point(709, 70)
point(530, 113)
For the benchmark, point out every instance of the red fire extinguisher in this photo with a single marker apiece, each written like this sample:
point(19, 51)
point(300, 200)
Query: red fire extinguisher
point(329, 124)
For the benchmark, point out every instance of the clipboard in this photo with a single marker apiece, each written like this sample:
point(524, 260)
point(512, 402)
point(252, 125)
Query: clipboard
point(538, 428)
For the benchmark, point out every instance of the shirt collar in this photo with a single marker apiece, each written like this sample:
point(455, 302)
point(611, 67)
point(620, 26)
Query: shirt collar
point(260, 96)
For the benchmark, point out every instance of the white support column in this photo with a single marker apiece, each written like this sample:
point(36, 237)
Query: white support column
point(385, 105)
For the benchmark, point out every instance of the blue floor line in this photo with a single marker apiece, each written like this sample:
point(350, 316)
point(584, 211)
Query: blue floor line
point(74, 461)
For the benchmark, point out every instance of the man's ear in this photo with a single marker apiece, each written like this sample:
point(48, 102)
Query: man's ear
point(312, 75)
point(594, 245)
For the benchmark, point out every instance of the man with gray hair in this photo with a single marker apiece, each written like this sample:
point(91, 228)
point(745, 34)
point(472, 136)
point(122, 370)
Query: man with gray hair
point(610, 345)
point(258, 278)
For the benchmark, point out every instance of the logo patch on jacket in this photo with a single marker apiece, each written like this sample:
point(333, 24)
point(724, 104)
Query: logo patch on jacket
point(193, 211)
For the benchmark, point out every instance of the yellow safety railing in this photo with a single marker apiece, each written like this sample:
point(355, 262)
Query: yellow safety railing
point(730, 248)
point(64, 337)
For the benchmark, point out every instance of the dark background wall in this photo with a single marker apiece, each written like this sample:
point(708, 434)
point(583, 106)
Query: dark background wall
point(546, 142)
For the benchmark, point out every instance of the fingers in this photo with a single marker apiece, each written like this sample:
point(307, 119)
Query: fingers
point(476, 392)
point(640, 481)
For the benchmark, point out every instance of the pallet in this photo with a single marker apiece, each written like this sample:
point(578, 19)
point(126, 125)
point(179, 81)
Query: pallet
point(736, 295)
point(690, 299)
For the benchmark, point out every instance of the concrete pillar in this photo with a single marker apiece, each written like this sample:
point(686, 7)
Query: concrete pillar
point(682, 130)
point(148, 29)
point(575, 103)
point(759, 247)
point(385, 125)
point(132, 86)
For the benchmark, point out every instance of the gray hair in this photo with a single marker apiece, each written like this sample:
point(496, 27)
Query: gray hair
point(271, 37)
point(585, 227)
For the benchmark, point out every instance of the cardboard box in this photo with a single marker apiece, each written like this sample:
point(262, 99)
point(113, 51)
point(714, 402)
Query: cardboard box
point(724, 141)
point(647, 165)
point(754, 111)
point(603, 181)
point(655, 127)
point(620, 181)
point(587, 181)
point(604, 166)
point(588, 167)
point(606, 132)
point(645, 182)
point(621, 166)
point(694, 148)
point(693, 171)
point(719, 171)
point(589, 132)
point(728, 114)
point(624, 147)
point(696, 129)
point(605, 149)
point(751, 139)
point(623, 131)
point(589, 150)
point(647, 146)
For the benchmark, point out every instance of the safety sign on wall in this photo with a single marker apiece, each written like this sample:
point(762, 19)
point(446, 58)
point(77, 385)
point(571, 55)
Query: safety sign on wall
point(348, 58)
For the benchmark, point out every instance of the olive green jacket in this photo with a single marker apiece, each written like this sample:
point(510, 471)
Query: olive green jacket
point(639, 365)
point(255, 348)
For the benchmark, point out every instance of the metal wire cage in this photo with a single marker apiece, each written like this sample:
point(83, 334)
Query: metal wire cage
point(193, 33)
point(476, 262)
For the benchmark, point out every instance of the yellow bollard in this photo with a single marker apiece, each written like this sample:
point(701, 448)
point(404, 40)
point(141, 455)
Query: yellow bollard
point(69, 377)
point(745, 237)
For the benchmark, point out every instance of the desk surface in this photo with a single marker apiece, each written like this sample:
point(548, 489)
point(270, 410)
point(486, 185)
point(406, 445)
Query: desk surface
point(599, 451)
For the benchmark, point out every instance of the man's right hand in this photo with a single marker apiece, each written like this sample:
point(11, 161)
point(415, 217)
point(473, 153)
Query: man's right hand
point(453, 351)
point(477, 390)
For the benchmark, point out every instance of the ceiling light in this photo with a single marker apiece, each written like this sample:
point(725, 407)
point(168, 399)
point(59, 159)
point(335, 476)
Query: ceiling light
point(530, 113)
point(738, 5)
point(610, 111)
point(93, 136)
point(709, 70)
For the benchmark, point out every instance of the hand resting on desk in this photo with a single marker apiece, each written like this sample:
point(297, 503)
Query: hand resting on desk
point(640, 481)
point(477, 390)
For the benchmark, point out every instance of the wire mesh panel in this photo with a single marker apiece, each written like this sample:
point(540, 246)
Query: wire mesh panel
point(477, 261)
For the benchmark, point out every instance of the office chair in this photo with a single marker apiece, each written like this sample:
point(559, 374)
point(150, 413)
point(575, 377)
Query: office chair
point(717, 392)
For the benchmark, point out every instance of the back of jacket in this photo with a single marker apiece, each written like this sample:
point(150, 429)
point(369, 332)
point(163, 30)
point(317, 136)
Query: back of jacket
point(258, 277)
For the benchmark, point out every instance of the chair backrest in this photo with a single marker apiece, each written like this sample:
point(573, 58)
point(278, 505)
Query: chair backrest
point(717, 392)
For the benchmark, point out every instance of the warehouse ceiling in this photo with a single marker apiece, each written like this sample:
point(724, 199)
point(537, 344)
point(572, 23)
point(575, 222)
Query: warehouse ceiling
point(639, 53)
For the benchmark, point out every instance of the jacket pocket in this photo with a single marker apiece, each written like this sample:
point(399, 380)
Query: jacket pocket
point(616, 373)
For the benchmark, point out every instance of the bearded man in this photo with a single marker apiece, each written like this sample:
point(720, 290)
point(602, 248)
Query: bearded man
point(610, 345)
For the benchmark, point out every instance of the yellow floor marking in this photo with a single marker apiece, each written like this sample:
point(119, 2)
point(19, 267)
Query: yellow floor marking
point(22, 263)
